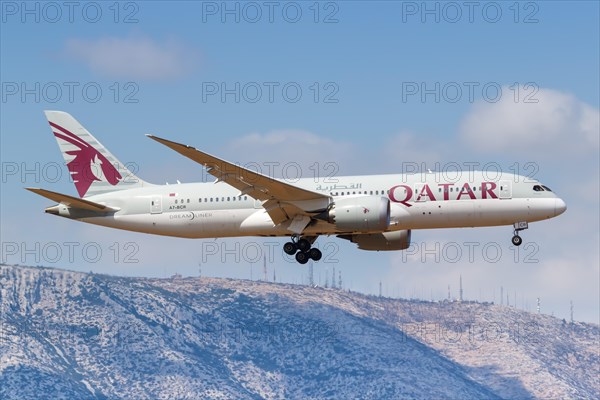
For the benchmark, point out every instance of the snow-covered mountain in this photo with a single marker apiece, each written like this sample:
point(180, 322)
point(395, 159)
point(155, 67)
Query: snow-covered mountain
point(74, 335)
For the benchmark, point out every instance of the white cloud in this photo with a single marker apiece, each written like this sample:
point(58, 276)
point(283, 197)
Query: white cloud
point(134, 57)
point(307, 148)
point(556, 124)
point(285, 147)
point(408, 147)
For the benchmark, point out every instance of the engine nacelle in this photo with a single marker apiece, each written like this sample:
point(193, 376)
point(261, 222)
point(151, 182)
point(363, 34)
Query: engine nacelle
point(360, 214)
point(396, 240)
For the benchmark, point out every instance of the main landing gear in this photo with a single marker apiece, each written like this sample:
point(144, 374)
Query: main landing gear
point(519, 226)
point(303, 249)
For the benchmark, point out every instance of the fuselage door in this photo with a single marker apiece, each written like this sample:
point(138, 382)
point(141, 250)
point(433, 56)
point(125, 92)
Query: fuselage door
point(505, 189)
point(156, 205)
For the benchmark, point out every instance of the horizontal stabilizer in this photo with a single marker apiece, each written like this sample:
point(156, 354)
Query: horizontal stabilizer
point(71, 201)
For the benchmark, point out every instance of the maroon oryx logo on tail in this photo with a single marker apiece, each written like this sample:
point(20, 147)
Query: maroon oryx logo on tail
point(80, 166)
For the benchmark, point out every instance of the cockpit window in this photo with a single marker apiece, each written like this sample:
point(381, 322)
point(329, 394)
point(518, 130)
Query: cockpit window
point(546, 188)
point(538, 188)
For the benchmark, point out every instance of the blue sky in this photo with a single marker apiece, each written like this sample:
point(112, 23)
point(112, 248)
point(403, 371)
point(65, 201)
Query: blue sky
point(363, 61)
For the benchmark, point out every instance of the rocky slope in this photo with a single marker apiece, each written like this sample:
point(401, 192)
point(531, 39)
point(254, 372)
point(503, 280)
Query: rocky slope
point(74, 335)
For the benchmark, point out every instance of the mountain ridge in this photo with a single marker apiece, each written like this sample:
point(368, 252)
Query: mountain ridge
point(70, 334)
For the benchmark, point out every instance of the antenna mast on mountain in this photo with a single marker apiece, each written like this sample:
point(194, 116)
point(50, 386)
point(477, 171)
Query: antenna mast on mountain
point(461, 290)
point(379, 288)
point(274, 276)
point(572, 311)
point(501, 295)
point(339, 279)
point(538, 305)
point(333, 279)
point(449, 297)
point(311, 281)
point(265, 268)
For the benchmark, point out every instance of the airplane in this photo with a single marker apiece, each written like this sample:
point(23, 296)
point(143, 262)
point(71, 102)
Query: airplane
point(376, 212)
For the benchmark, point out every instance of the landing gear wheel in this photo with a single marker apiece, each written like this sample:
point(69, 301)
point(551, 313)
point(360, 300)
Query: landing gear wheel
point(303, 245)
point(516, 240)
point(519, 226)
point(290, 248)
point(302, 257)
point(315, 254)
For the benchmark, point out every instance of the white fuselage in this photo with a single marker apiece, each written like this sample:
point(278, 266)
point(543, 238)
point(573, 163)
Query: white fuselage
point(418, 201)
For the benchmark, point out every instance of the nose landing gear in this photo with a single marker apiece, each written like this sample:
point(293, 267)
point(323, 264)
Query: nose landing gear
point(303, 249)
point(519, 226)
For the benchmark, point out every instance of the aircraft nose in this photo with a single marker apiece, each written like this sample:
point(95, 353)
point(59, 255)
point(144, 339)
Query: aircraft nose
point(559, 207)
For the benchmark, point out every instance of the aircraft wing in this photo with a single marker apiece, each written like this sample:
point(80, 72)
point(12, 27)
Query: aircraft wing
point(281, 200)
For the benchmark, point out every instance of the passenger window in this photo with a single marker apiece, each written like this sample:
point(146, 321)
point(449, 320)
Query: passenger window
point(188, 201)
point(175, 201)
point(228, 199)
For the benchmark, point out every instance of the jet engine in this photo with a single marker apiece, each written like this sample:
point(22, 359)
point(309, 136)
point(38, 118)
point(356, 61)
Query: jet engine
point(359, 214)
point(396, 240)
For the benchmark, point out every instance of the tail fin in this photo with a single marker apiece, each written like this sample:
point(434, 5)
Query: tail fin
point(93, 168)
